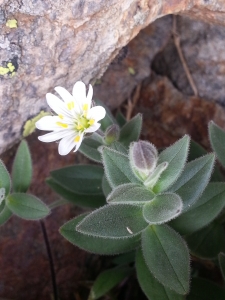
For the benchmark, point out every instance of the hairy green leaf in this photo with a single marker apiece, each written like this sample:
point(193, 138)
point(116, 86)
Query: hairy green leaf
point(152, 288)
point(98, 245)
point(80, 179)
point(130, 193)
point(27, 206)
point(194, 179)
point(117, 167)
point(22, 169)
point(5, 181)
point(204, 210)
point(5, 215)
point(176, 156)
point(105, 186)
point(167, 257)
point(107, 280)
point(217, 139)
point(162, 208)
point(89, 148)
point(92, 201)
point(114, 220)
point(207, 242)
point(120, 118)
point(131, 131)
point(119, 147)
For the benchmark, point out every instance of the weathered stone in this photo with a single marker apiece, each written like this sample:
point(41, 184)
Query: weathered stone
point(57, 42)
point(168, 114)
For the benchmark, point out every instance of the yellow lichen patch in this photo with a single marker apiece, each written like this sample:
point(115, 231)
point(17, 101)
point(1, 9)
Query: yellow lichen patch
point(10, 67)
point(29, 126)
point(77, 139)
point(4, 71)
point(91, 122)
point(63, 125)
point(131, 71)
point(70, 105)
point(11, 23)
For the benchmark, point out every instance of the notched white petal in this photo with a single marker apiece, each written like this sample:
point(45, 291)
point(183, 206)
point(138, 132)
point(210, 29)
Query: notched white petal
point(48, 123)
point(64, 94)
point(57, 105)
point(93, 128)
point(97, 113)
point(66, 145)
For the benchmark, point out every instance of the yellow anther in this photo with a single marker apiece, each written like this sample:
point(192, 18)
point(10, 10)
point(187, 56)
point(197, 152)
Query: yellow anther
point(70, 105)
point(60, 116)
point(62, 125)
point(79, 127)
point(85, 107)
point(91, 122)
point(77, 139)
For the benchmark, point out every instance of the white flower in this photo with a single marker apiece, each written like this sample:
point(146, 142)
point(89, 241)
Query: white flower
point(74, 118)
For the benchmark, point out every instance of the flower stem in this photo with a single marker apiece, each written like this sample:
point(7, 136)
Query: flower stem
point(50, 259)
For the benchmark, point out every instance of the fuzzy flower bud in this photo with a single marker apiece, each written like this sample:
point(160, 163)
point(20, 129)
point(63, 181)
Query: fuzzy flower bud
point(112, 134)
point(143, 158)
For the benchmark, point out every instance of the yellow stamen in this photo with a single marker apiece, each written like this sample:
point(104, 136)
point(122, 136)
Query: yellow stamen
point(77, 138)
point(85, 107)
point(70, 105)
point(91, 122)
point(60, 116)
point(79, 127)
point(62, 124)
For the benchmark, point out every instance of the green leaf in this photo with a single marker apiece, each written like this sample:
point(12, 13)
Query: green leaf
point(194, 179)
point(107, 280)
point(80, 179)
point(103, 246)
point(150, 286)
point(105, 186)
point(109, 119)
point(202, 289)
point(5, 215)
point(117, 167)
point(131, 131)
point(92, 201)
point(207, 242)
point(167, 257)
point(119, 147)
point(176, 156)
point(27, 206)
point(124, 259)
point(5, 181)
point(120, 118)
point(22, 169)
point(162, 208)
point(197, 151)
point(89, 148)
point(221, 258)
point(114, 220)
point(217, 139)
point(204, 210)
point(130, 193)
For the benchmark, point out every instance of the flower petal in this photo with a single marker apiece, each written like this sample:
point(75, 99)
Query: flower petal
point(79, 94)
point(57, 105)
point(54, 136)
point(64, 94)
point(90, 94)
point(66, 145)
point(93, 128)
point(97, 113)
point(48, 123)
point(79, 143)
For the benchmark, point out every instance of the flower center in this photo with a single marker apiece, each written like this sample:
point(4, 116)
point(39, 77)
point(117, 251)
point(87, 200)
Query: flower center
point(83, 123)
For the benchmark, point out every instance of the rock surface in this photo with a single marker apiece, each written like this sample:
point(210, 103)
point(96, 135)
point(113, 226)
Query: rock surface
point(45, 43)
